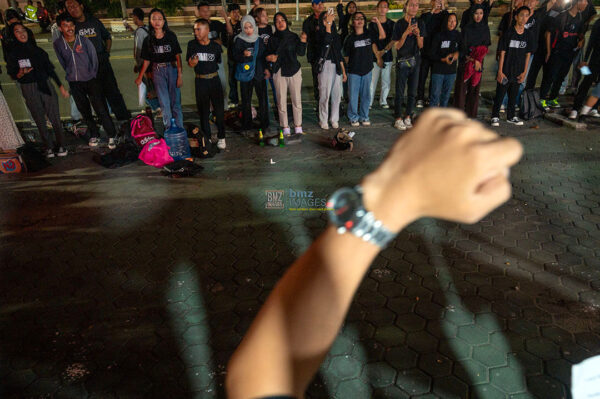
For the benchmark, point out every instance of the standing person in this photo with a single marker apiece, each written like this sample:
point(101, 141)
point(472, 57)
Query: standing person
point(161, 49)
point(508, 19)
point(311, 27)
point(204, 55)
point(345, 17)
point(382, 60)
point(358, 52)
point(408, 39)
point(332, 74)
point(445, 51)
point(94, 30)
point(543, 17)
point(31, 66)
point(8, 40)
point(433, 21)
point(283, 51)
point(43, 17)
point(568, 28)
point(476, 39)
point(140, 34)
point(467, 16)
point(236, 28)
point(587, 14)
point(219, 32)
point(54, 31)
point(591, 59)
point(514, 47)
point(77, 55)
point(249, 48)
point(265, 32)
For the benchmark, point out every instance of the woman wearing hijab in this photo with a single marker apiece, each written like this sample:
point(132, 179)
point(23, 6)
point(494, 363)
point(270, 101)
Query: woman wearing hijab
point(248, 50)
point(283, 51)
point(332, 72)
point(476, 40)
point(161, 49)
point(30, 66)
point(444, 52)
point(345, 17)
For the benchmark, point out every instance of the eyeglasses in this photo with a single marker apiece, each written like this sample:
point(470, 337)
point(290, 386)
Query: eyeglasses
point(359, 19)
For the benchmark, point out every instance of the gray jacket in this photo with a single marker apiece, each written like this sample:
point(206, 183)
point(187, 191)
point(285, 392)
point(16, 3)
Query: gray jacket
point(80, 62)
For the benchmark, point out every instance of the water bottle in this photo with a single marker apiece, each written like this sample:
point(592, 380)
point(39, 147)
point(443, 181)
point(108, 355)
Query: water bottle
point(177, 141)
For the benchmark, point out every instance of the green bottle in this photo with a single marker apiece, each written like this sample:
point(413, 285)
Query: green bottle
point(261, 139)
point(281, 140)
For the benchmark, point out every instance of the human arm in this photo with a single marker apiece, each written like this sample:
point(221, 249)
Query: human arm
point(300, 319)
point(501, 76)
point(521, 77)
point(228, 27)
point(105, 36)
point(547, 36)
point(419, 34)
point(344, 76)
point(380, 29)
point(301, 46)
point(145, 65)
point(179, 71)
point(190, 56)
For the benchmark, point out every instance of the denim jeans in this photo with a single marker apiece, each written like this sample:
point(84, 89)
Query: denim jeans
point(386, 81)
point(169, 96)
point(359, 88)
point(406, 79)
point(441, 86)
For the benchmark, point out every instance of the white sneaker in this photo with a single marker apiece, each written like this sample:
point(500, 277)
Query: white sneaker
point(399, 124)
point(49, 153)
point(573, 114)
point(385, 106)
point(354, 124)
point(286, 131)
point(324, 126)
point(298, 130)
point(335, 125)
point(408, 122)
point(594, 113)
point(366, 123)
point(420, 104)
point(111, 143)
point(515, 121)
point(495, 122)
point(94, 141)
point(62, 152)
point(221, 144)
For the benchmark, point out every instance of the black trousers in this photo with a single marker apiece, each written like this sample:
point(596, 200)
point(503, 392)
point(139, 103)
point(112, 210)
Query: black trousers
point(263, 109)
point(559, 65)
point(88, 92)
point(315, 78)
point(584, 88)
point(110, 89)
point(513, 90)
point(466, 96)
point(426, 65)
point(210, 91)
point(233, 84)
point(538, 62)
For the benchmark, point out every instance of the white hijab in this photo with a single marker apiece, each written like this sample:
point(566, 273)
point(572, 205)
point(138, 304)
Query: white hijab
point(249, 39)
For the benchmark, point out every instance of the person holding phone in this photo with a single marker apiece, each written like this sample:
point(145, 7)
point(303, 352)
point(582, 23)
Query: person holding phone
point(591, 61)
point(408, 37)
point(515, 47)
point(311, 27)
point(382, 59)
point(204, 55)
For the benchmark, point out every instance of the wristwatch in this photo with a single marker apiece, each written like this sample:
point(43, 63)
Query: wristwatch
point(348, 214)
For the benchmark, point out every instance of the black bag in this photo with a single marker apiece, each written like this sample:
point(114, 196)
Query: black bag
point(530, 105)
point(407, 62)
point(342, 141)
point(34, 160)
point(321, 61)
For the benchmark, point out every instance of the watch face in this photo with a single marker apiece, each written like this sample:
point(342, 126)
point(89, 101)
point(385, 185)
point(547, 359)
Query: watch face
point(343, 205)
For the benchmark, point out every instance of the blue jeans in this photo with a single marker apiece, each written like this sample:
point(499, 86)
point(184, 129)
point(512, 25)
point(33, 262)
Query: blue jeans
point(441, 86)
point(359, 87)
point(169, 96)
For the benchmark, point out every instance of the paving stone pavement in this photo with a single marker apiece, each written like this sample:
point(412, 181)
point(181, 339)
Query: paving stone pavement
point(124, 283)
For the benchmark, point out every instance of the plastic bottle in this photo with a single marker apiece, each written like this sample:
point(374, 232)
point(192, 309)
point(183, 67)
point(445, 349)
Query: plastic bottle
point(261, 139)
point(281, 140)
point(177, 141)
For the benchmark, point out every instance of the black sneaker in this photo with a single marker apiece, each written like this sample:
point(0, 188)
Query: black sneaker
point(515, 121)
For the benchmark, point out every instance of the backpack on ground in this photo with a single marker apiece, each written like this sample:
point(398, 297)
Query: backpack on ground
point(142, 130)
point(11, 162)
point(156, 153)
point(530, 105)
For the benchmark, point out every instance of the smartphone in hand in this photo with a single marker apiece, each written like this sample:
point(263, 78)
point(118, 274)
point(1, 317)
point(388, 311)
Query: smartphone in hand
point(585, 70)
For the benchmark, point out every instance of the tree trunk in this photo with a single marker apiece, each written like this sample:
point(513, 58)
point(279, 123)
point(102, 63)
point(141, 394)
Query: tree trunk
point(124, 8)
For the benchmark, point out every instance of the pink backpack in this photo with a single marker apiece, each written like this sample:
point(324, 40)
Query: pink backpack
point(142, 130)
point(156, 153)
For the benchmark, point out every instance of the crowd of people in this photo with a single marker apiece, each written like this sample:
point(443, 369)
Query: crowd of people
point(433, 47)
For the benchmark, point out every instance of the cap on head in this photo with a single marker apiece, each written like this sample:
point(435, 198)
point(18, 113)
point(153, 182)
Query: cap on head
point(317, 1)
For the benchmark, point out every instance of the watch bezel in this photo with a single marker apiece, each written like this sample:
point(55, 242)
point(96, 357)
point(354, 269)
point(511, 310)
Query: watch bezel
point(346, 221)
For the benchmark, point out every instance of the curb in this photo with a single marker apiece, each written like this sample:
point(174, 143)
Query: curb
point(564, 121)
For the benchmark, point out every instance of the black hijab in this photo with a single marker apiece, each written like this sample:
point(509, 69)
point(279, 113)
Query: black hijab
point(476, 33)
point(282, 34)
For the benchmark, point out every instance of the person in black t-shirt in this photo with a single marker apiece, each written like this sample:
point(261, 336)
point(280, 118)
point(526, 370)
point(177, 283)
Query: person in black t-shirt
point(515, 47)
point(358, 52)
point(591, 59)
point(236, 28)
point(310, 26)
point(161, 50)
point(265, 32)
point(248, 46)
point(218, 33)
point(382, 60)
point(568, 31)
point(444, 52)
point(408, 40)
point(467, 16)
point(433, 21)
point(542, 17)
point(283, 51)
point(204, 55)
